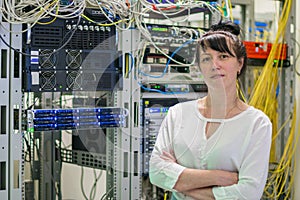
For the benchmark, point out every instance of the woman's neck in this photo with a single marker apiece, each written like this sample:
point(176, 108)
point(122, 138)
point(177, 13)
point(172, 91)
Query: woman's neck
point(220, 105)
point(224, 97)
point(221, 101)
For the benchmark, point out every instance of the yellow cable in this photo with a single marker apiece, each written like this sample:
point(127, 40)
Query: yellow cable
point(284, 169)
point(281, 128)
point(264, 97)
point(230, 10)
point(221, 11)
point(56, 12)
point(268, 81)
point(165, 195)
point(126, 66)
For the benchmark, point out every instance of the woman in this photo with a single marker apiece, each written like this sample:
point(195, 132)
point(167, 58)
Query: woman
point(216, 147)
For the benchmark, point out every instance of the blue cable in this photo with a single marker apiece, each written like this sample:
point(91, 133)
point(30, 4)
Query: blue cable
point(164, 72)
point(277, 90)
point(169, 60)
point(132, 63)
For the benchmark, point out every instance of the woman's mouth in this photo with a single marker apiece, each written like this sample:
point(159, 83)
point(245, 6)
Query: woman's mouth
point(216, 76)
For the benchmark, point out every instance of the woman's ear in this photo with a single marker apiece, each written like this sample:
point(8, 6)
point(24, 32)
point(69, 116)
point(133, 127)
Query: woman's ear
point(241, 61)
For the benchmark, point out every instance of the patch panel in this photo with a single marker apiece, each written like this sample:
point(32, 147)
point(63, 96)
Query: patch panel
point(79, 118)
point(153, 118)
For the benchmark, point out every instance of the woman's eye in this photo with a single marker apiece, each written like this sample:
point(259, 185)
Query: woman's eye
point(224, 56)
point(205, 59)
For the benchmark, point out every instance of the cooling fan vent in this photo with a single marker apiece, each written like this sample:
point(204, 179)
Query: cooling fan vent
point(47, 80)
point(73, 59)
point(47, 59)
point(74, 80)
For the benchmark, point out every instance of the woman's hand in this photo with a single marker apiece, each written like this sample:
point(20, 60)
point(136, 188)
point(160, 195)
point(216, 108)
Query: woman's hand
point(226, 178)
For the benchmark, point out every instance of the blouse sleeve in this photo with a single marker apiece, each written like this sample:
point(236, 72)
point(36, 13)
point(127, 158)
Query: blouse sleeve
point(254, 168)
point(163, 173)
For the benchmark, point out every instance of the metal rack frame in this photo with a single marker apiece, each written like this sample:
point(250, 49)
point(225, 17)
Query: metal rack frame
point(11, 161)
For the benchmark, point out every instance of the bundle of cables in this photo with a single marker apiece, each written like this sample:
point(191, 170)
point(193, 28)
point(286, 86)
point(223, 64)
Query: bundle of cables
point(264, 97)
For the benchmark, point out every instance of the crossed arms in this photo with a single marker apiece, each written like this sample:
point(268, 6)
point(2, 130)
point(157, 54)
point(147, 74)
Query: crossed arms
point(198, 183)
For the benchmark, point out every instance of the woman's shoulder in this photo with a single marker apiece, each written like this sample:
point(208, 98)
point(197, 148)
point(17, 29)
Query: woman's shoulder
point(258, 114)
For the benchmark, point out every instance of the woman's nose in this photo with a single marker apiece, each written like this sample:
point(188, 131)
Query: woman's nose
point(215, 63)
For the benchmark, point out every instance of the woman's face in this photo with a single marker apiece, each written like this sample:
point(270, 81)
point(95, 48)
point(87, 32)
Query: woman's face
point(219, 69)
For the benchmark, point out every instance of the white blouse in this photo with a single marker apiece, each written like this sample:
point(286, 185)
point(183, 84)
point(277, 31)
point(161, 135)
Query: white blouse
point(240, 144)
